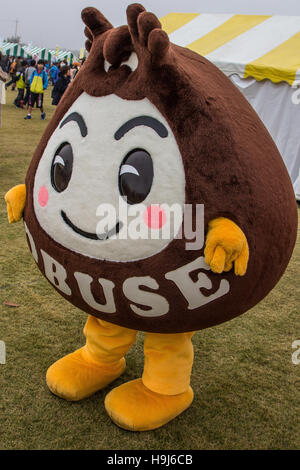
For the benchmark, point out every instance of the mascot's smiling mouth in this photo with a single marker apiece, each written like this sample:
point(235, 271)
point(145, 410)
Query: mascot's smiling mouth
point(92, 236)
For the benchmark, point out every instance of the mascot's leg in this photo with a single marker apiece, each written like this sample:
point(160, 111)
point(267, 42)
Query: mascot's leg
point(94, 366)
point(164, 390)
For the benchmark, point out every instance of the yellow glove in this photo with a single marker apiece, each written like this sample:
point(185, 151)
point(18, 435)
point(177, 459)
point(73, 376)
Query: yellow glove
point(226, 245)
point(16, 200)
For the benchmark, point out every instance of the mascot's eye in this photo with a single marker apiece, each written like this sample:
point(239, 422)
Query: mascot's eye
point(136, 176)
point(62, 168)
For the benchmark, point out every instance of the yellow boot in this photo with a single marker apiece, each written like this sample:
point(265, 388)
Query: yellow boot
point(163, 393)
point(91, 368)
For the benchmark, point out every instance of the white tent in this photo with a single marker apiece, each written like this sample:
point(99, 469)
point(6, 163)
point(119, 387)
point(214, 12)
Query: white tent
point(261, 55)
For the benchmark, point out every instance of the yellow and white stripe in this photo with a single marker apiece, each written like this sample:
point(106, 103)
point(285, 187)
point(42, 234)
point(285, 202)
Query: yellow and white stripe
point(263, 47)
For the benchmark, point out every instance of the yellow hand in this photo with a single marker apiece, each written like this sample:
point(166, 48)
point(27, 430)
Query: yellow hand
point(16, 200)
point(226, 245)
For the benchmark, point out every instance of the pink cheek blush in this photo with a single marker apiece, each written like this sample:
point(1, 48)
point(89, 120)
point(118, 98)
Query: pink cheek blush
point(155, 217)
point(43, 196)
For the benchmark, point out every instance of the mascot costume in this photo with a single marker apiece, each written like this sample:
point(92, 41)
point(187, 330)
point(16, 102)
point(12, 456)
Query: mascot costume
point(146, 122)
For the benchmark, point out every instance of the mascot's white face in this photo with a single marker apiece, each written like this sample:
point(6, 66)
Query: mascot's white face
point(108, 153)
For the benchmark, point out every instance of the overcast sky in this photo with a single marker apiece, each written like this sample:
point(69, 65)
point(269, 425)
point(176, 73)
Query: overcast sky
point(58, 22)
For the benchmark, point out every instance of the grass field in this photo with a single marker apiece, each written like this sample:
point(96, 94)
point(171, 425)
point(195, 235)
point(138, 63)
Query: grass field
point(247, 391)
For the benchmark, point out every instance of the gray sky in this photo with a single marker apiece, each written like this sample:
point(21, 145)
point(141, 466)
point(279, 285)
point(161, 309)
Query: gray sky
point(58, 22)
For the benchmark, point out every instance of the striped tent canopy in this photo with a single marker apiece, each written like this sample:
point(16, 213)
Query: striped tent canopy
point(27, 51)
point(35, 51)
point(263, 47)
point(13, 49)
point(61, 55)
point(18, 50)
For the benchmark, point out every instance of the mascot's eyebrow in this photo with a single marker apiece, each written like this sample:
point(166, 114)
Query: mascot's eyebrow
point(148, 121)
point(76, 117)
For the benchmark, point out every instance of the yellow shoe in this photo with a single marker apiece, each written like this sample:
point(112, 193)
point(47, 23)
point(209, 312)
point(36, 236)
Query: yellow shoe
point(76, 376)
point(134, 407)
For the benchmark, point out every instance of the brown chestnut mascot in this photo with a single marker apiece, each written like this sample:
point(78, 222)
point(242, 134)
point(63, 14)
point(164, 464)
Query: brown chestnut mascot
point(147, 126)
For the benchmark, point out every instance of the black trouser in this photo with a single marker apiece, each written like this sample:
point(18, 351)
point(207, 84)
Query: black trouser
point(12, 82)
point(19, 98)
point(26, 99)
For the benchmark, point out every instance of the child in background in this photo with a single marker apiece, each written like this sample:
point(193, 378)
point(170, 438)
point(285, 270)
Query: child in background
point(54, 73)
point(21, 85)
point(38, 84)
point(12, 72)
point(28, 73)
point(61, 85)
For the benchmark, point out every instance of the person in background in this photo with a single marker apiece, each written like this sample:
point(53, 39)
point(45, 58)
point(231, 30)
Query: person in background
point(61, 85)
point(28, 73)
point(78, 66)
point(38, 84)
point(12, 72)
point(19, 64)
point(54, 73)
point(3, 78)
point(21, 85)
point(74, 70)
point(17, 69)
point(5, 63)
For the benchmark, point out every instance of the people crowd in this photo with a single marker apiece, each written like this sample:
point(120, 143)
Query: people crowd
point(30, 78)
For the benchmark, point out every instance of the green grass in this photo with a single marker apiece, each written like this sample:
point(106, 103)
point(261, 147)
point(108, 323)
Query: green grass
point(247, 391)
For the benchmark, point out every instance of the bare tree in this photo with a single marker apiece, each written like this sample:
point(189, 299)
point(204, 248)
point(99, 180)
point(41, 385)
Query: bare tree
point(14, 39)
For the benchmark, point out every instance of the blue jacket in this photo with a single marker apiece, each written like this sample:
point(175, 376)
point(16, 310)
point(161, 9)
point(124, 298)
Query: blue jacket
point(44, 76)
point(54, 73)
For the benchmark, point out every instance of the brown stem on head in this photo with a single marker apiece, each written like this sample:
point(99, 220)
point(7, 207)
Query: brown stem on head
point(146, 22)
point(133, 11)
point(118, 45)
point(158, 44)
point(95, 21)
point(89, 42)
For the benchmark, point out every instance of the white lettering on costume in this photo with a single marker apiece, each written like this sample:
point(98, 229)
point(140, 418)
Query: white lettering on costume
point(84, 282)
point(133, 288)
point(56, 273)
point(190, 289)
point(32, 244)
point(159, 305)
